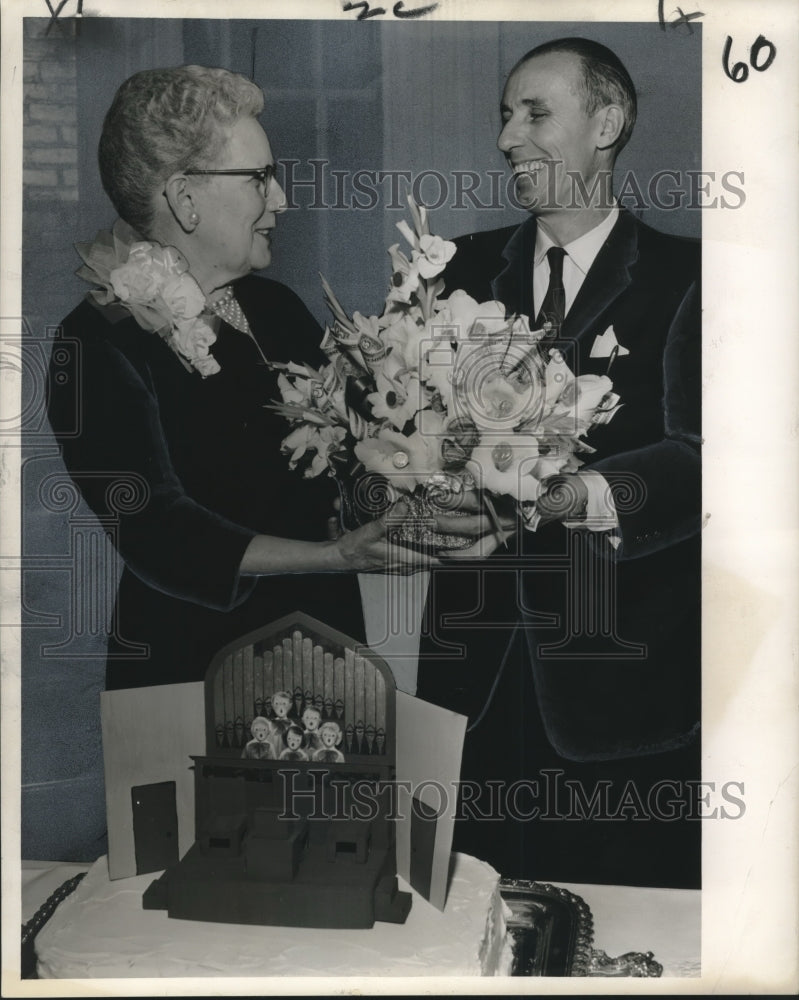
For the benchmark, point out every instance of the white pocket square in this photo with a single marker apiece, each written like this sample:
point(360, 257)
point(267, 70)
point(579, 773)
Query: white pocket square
point(605, 344)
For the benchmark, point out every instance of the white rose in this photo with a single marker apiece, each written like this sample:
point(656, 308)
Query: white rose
point(135, 282)
point(193, 337)
point(206, 366)
point(183, 296)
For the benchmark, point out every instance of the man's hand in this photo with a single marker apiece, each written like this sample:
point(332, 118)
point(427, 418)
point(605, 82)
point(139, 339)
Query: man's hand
point(489, 527)
point(562, 498)
point(481, 549)
point(373, 548)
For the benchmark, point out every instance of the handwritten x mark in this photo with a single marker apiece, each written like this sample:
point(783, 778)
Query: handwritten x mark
point(683, 18)
point(54, 13)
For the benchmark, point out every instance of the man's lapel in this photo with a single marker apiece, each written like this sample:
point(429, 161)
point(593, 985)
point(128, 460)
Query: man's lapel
point(607, 278)
point(513, 286)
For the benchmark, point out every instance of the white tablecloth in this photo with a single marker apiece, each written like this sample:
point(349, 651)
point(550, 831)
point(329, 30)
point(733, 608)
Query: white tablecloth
point(664, 921)
point(667, 922)
point(41, 878)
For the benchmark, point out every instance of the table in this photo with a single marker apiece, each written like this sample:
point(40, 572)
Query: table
point(626, 918)
point(667, 922)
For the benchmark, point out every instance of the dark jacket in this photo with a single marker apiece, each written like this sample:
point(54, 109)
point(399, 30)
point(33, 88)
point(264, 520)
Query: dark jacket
point(613, 635)
point(183, 472)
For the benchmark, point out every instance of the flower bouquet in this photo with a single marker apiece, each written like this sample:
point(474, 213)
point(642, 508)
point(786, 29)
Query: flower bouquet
point(437, 397)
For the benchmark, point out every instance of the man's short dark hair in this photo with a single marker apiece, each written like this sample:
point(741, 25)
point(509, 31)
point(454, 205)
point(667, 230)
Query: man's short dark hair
point(605, 79)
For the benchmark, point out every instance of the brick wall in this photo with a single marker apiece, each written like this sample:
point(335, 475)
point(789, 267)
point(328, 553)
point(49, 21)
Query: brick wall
point(50, 164)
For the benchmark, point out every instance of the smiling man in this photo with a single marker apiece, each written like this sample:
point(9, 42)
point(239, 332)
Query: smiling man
point(600, 682)
point(562, 130)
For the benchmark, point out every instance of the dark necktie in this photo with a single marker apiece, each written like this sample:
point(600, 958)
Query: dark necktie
point(553, 308)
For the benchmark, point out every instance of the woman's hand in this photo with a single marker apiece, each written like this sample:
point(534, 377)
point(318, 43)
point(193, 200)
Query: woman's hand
point(374, 547)
point(489, 528)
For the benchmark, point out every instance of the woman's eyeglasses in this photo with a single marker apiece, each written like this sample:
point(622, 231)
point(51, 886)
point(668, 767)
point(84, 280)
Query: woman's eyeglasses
point(263, 175)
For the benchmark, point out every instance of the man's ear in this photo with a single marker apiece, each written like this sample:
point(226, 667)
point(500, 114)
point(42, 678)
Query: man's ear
point(177, 192)
point(611, 121)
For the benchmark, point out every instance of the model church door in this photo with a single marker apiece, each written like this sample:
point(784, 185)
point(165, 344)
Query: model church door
point(155, 826)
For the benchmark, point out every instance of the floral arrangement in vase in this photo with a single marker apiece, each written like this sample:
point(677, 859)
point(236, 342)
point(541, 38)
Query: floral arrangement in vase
point(436, 397)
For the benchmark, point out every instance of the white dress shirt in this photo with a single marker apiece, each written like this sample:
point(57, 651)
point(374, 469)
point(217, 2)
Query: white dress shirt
point(580, 255)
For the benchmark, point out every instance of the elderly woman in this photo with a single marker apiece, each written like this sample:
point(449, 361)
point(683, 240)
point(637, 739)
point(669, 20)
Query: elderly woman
point(177, 453)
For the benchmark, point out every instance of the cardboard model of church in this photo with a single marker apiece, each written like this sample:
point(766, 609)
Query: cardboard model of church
point(289, 817)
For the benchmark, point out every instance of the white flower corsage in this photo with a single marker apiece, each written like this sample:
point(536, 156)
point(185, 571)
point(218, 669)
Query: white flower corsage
point(153, 283)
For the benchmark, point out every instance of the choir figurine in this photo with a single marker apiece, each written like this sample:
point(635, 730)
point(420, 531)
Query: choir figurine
point(312, 720)
point(293, 742)
point(281, 704)
point(331, 736)
point(262, 744)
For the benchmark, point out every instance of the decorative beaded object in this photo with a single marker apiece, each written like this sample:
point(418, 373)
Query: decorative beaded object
point(228, 309)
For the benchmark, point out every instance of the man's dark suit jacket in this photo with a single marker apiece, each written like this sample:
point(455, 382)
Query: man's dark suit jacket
point(611, 666)
point(199, 473)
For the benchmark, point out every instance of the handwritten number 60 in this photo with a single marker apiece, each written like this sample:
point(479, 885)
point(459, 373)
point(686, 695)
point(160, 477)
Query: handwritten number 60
point(740, 71)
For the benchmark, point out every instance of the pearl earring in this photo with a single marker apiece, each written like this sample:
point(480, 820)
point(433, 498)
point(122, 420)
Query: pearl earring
point(194, 218)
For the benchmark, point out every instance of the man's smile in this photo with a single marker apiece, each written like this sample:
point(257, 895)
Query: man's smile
point(527, 167)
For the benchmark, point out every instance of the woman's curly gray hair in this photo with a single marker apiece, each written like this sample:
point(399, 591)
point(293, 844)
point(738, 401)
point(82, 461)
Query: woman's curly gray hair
point(166, 120)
